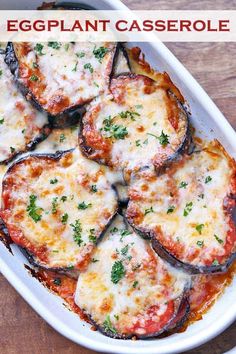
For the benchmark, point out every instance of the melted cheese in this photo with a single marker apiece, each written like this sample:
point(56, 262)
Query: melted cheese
point(71, 177)
point(20, 123)
point(186, 206)
point(141, 145)
point(67, 75)
point(148, 281)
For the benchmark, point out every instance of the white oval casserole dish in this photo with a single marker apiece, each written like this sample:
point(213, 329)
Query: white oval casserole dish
point(207, 118)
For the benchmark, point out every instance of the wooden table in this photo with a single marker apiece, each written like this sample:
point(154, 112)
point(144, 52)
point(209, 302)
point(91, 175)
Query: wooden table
point(213, 65)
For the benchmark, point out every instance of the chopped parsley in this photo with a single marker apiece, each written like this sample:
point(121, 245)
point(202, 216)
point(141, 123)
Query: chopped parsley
point(92, 237)
point(89, 67)
point(139, 106)
point(63, 198)
point(38, 48)
point(163, 138)
point(116, 317)
point(54, 205)
point(2, 121)
point(201, 196)
point(100, 53)
point(117, 272)
point(148, 210)
point(1, 72)
point(67, 46)
point(199, 228)
point(183, 184)
point(33, 210)
point(107, 325)
point(124, 250)
point(188, 208)
point(208, 179)
point(135, 283)
point(35, 65)
point(218, 239)
point(113, 230)
point(124, 233)
point(57, 281)
point(93, 260)
point(170, 209)
point(77, 229)
point(54, 45)
point(64, 218)
point(138, 143)
point(53, 181)
point(62, 138)
point(80, 54)
point(94, 188)
point(75, 67)
point(200, 243)
point(129, 114)
point(83, 206)
point(215, 262)
point(115, 131)
point(34, 78)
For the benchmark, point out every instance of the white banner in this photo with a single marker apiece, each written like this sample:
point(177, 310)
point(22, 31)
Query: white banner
point(123, 26)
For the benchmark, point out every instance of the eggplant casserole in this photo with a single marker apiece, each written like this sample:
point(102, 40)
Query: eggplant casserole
point(124, 203)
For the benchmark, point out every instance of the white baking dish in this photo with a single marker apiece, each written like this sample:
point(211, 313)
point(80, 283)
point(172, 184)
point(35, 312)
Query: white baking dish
point(207, 118)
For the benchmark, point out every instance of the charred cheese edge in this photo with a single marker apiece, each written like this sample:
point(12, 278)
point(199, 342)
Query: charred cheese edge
point(56, 207)
point(139, 124)
point(60, 76)
point(21, 125)
point(127, 290)
point(187, 210)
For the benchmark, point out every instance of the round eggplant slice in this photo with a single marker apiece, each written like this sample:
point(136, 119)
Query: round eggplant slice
point(21, 125)
point(187, 211)
point(140, 124)
point(59, 77)
point(56, 207)
point(127, 290)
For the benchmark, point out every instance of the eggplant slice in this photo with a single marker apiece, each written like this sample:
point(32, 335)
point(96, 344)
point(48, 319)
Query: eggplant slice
point(127, 290)
point(59, 77)
point(188, 210)
point(22, 127)
point(56, 207)
point(140, 124)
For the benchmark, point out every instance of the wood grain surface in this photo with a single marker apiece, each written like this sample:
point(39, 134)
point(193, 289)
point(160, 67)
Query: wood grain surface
point(214, 66)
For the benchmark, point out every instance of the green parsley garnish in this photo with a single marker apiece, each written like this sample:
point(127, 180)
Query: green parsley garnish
point(92, 237)
point(116, 317)
point(170, 209)
point(63, 198)
point(117, 272)
point(215, 262)
point(89, 67)
point(107, 325)
point(100, 53)
point(57, 281)
point(83, 206)
point(113, 230)
point(80, 54)
point(35, 65)
point(12, 149)
point(138, 143)
point(93, 260)
point(139, 106)
point(34, 78)
point(54, 205)
point(64, 218)
point(77, 229)
point(199, 228)
point(94, 188)
point(124, 250)
point(128, 114)
point(33, 210)
point(200, 243)
point(124, 233)
point(188, 208)
point(218, 239)
point(62, 138)
point(148, 210)
point(208, 179)
point(183, 184)
point(1, 72)
point(75, 67)
point(2, 121)
point(53, 181)
point(135, 283)
point(115, 131)
point(54, 45)
point(163, 138)
point(201, 196)
point(38, 48)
